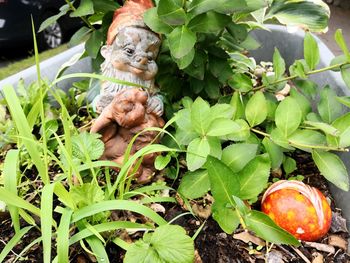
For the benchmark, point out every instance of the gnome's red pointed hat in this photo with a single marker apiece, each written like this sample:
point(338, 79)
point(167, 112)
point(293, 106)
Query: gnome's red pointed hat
point(131, 14)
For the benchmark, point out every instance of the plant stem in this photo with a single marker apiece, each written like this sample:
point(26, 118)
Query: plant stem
point(71, 7)
point(260, 132)
point(306, 73)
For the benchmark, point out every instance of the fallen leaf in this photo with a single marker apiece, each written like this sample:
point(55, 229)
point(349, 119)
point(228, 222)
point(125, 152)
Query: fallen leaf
point(338, 223)
point(197, 257)
point(202, 211)
point(321, 247)
point(274, 256)
point(317, 257)
point(247, 237)
point(157, 208)
point(337, 241)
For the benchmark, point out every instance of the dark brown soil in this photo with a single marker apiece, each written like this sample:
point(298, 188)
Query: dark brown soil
point(212, 244)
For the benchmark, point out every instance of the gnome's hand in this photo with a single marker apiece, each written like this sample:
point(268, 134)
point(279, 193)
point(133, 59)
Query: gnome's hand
point(155, 105)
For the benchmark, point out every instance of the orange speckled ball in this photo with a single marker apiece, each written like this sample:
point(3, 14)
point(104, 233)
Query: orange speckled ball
point(300, 209)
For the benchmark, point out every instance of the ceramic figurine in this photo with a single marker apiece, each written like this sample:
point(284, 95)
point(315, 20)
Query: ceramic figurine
point(130, 54)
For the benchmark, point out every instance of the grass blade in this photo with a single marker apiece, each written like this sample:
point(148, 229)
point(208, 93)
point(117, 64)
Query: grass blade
point(12, 199)
point(24, 130)
point(10, 183)
point(117, 205)
point(98, 249)
point(14, 240)
point(46, 220)
point(104, 227)
point(63, 236)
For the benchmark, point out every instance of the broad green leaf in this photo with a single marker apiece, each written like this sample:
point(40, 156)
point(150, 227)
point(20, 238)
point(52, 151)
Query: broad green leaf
point(199, 116)
point(288, 116)
point(303, 102)
point(329, 107)
point(63, 236)
point(236, 156)
point(80, 36)
point(223, 182)
point(184, 137)
point(162, 161)
point(197, 7)
point(242, 133)
point(345, 73)
point(256, 109)
point(241, 82)
point(341, 124)
point(186, 60)
point(278, 137)
point(155, 23)
point(85, 8)
point(338, 36)
point(279, 65)
point(87, 145)
point(93, 44)
point(181, 41)
point(326, 128)
point(194, 184)
point(229, 6)
point(212, 86)
point(307, 87)
point(298, 68)
point(171, 12)
point(254, 177)
point(312, 15)
point(183, 119)
point(339, 61)
point(215, 147)
point(197, 67)
point(289, 165)
point(311, 51)
point(240, 205)
point(274, 151)
point(197, 152)
point(52, 19)
point(221, 127)
point(332, 168)
point(221, 111)
point(168, 243)
point(306, 139)
point(210, 22)
point(226, 217)
point(265, 228)
point(238, 106)
point(344, 140)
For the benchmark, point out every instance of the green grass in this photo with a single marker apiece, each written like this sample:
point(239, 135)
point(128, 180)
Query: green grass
point(18, 66)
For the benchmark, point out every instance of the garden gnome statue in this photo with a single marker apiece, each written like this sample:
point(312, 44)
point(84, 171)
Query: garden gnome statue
point(125, 110)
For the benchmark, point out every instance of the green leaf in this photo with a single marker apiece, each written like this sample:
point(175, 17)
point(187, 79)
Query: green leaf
point(242, 133)
point(303, 102)
point(184, 137)
point(168, 243)
point(215, 147)
point(256, 109)
point(197, 7)
point(289, 165)
point(278, 137)
point(312, 15)
point(326, 128)
point(86, 194)
point(265, 228)
point(93, 44)
point(338, 36)
point(153, 21)
point(332, 168)
point(162, 161)
point(186, 60)
point(181, 41)
point(241, 82)
point(288, 116)
point(306, 139)
point(344, 140)
point(80, 36)
point(311, 51)
point(237, 104)
point(254, 177)
point(345, 100)
point(345, 73)
point(274, 151)
point(199, 116)
point(223, 182)
point(210, 22)
point(220, 68)
point(221, 111)
point(221, 127)
point(194, 184)
point(85, 8)
point(329, 108)
point(236, 156)
point(197, 152)
point(197, 67)
point(226, 217)
point(52, 19)
point(298, 68)
point(279, 65)
point(171, 12)
point(87, 145)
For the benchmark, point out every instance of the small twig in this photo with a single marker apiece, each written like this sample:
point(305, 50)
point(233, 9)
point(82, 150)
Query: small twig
point(301, 255)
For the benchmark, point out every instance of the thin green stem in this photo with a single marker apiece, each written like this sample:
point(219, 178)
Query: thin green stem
point(71, 7)
point(260, 132)
point(306, 73)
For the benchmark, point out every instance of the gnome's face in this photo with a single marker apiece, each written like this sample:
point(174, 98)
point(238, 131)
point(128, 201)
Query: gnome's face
point(134, 50)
